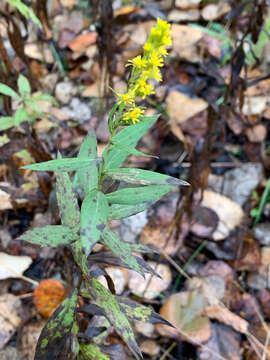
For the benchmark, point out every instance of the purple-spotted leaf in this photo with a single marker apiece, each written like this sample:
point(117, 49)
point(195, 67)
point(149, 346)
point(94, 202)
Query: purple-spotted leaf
point(128, 139)
point(50, 235)
point(138, 195)
point(124, 251)
point(57, 337)
point(86, 179)
point(92, 351)
point(143, 177)
point(62, 165)
point(67, 202)
point(109, 304)
point(94, 214)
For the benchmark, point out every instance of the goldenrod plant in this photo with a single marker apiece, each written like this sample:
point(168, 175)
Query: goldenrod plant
point(85, 225)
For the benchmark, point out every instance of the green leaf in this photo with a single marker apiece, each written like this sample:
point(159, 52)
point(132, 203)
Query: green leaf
point(25, 155)
point(137, 195)
point(44, 97)
point(6, 122)
point(139, 312)
point(67, 202)
point(128, 138)
point(24, 86)
point(132, 151)
point(61, 165)
point(117, 211)
point(87, 179)
point(92, 351)
point(50, 235)
point(34, 106)
point(106, 301)
point(123, 250)
point(25, 10)
point(56, 338)
point(21, 115)
point(6, 90)
point(143, 177)
point(94, 214)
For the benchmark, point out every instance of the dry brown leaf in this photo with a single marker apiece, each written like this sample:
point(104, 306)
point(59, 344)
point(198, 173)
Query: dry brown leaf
point(256, 133)
point(48, 295)
point(5, 203)
point(81, 42)
point(225, 316)
point(10, 317)
point(13, 266)
point(187, 4)
point(125, 10)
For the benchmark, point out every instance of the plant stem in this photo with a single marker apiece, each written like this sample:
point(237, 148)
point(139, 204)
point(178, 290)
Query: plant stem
point(262, 202)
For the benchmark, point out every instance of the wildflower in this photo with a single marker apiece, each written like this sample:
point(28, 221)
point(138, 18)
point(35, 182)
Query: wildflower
point(143, 89)
point(155, 60)
point(138, 62)
point(127, 98)
point(133, 114)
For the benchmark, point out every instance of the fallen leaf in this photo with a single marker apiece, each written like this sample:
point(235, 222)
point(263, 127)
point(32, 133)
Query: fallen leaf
point(5, 203)
point(125, 10)
point(229, 212)
point(68, 3)
point(29, 338)
point(48, 295)
point(215, 11)
point(39, 52)
point(81, 42)
point(184, 310)
point(254, 105)
point(150, 347)
point(13, 266)
point(256, 133)
point(10, 317)
point(187, 4)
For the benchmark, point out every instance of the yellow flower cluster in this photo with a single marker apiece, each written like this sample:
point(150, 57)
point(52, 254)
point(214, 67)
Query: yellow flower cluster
point(144, 68)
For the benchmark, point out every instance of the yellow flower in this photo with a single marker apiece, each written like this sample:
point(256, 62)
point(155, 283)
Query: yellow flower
point(138, 62)
point(143, 89)
point(156, 74)
point(127, 98)
point(163, 25)
point(133, 114)
point(148, 47)
point(155, 60)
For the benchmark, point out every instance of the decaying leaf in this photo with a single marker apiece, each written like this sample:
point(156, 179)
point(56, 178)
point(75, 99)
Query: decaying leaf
point(13, 266)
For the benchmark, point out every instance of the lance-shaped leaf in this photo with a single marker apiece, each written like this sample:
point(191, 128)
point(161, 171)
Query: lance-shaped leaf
point(124, 251)
point(50, 235)
point(61, 165)
point(6, 90)
point(55, 341)
point(132, 151)
point(105, 300)
point(143, 177)
point(86, 179)
point(67, 202)
point(92, 351)
point(6, 122)
point(128, 138)
point(117, 211)
point(138, 195)
point(136, 311)
point(94, 214)
point(24, 85)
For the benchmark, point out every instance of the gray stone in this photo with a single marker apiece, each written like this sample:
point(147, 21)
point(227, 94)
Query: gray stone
point(240, 182)
point(188, 15)
point(64, 91)
point(262, 233)
point(132, 226)
point(258, 280)
point(77, 110)
point(10, 353)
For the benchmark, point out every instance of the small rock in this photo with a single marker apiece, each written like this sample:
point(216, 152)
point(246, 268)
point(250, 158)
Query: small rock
point(262, 233)
point(64, 91)
point(188, 15)
point(254, 105)
point(259, 279)
point(10, 353)
point(118, 277)
point(229, 212)
point(49, 81)
point(187, 4)
point(150, 289)
point(217, 267)
point(77, 111)
point(41, 53)
point(145, 328)
point(215, 11)
point(150, 348)
point(240, 182)
point(132, 226)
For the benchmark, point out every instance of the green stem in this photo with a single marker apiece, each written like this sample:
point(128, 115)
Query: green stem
point(262, 202)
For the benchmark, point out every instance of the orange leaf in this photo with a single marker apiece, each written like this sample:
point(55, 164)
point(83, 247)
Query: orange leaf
point(48, 295)
point(82, 41)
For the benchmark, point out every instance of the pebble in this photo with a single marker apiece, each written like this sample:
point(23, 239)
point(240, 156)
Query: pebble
point(150, 289)
point(150, 348)
point(145, 328)
point(118, 277)
point(262, 233)
point(64, 91)
point(10, 353)
point(132, 226)
point(188, 15)
point(187, 4)
point(78, 111)
point(214, 11)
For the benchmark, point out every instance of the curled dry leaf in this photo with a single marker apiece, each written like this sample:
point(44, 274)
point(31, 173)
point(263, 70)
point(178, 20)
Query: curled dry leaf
point(48, 295)
point(81, 42)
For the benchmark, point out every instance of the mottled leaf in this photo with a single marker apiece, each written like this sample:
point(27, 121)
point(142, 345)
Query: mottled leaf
point(86, 179)
point(6, 122)
point(56, 338)
point(6, 90)
point(143, 177)
point(94, 214)
point(136, 311)
point(121, 249)
point(67, 202)
point(132, 151)
point(128, 138)
point(117, 211)
point(138, 195)
point(93, 352)
point(50, 235)
point(105, 300)
point(61, 165)
point(23, 85)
